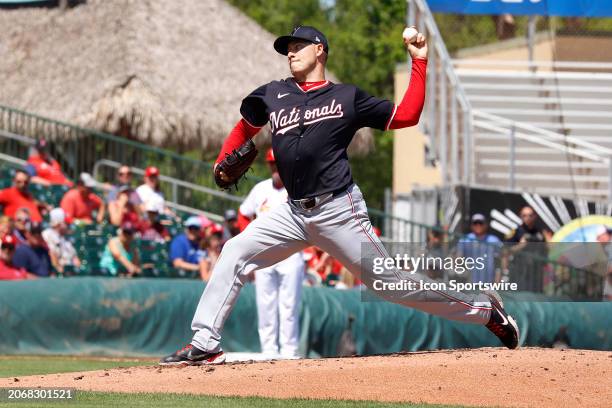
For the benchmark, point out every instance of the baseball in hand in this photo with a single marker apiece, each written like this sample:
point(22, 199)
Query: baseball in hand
point(410, 34)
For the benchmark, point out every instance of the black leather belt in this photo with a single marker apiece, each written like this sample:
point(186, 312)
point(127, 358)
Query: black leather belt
point(313, 202)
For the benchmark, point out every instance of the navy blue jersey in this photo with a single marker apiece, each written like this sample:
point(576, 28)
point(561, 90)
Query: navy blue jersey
point(312, 130)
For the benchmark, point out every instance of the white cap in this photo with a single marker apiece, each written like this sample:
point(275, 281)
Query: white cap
point(56, 216)
point(87, 180)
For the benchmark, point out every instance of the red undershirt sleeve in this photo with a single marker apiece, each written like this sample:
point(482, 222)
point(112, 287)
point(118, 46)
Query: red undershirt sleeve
point(243, 221)
point(408, 112)
point(242, 132)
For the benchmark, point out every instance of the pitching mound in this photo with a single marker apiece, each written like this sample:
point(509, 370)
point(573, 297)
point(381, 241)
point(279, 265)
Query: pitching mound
point(491, 377)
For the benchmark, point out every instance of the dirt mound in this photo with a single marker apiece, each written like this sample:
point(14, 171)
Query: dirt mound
point(499, 377)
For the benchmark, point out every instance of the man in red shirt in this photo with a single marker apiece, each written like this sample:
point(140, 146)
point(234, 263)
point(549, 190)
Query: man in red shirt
point(8, 271)
point(80, 202)
point(16, 197)
point(43, 168)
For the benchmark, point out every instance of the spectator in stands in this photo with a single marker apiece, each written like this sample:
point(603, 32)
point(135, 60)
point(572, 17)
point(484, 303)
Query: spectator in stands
point(120, 256)
point(529, 252)
point(6, 227)
point(323, 265)
point(529, 230)
point(480, 244)
point(436, 249)
point(33, 256)
point(604, 236)
point(152, 229)
point(231, 227)
point(212, 244)
point(43, 168)
point(150, 189)
point(62, 252)
point(18, 196)
point(124, 178)
point(207, 226)
point(122, 209)
point(80, 202)
point(8, 270)
point(21, 224)
point(185, 251)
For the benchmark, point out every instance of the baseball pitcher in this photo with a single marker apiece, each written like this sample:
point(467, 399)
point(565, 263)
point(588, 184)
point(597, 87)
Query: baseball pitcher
point(313, 121)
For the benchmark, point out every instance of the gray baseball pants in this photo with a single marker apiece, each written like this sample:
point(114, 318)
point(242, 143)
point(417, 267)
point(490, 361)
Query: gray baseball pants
point(338, 227)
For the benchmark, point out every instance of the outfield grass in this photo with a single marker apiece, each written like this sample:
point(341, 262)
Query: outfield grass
point(100, 399)
point(14, 366)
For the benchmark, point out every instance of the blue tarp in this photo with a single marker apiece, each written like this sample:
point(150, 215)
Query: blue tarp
point(565, 8)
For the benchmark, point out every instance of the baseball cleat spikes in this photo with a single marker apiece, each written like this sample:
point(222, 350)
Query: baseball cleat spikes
point(501, 323)
point(190, 356)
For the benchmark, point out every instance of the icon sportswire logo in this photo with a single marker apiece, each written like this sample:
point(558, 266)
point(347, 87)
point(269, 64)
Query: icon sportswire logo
point(283, 120)
point(280, 95)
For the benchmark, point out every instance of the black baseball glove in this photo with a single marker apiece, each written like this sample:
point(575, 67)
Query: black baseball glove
point(229, 171)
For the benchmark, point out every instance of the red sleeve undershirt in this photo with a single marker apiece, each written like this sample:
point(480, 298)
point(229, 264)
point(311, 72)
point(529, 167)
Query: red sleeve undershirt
point(408, 112)
point(243, 221)
point(242, 132)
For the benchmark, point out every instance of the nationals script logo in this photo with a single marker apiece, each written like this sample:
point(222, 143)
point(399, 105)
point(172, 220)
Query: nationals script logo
point(283, 120)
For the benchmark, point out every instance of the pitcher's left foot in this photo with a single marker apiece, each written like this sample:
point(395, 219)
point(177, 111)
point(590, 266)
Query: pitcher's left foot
point(502, 324)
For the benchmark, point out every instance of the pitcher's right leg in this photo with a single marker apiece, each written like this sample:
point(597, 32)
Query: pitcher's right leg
point(266, 241)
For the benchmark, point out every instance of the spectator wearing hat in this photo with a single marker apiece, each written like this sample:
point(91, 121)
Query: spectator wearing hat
point(122, 209)
point(212, 244)
point(150, 189)
point(18, 196)
point(480, 244)
point(43, 168)
point(185, 251)
point(120, 256)
point(8, 270)
point(231, 226)
point(80, 202)
point(124, 178)
point(151, 228)
point(33, 255)
point(62, 252)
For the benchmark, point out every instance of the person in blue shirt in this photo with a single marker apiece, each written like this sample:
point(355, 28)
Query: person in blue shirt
point(185, 251)
point(479, 243)
point(33, 255)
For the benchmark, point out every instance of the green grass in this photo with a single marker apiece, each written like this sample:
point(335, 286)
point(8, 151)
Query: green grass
point(14, 366)
point(100, 399)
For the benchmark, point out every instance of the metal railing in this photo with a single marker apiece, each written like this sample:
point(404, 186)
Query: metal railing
point(78, 149)
point(565, 165)
point(537, 65)
point(447, 115)
point(210, 201)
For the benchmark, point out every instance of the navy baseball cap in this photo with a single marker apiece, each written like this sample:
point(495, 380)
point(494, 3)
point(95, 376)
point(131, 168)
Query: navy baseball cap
point(305, 33)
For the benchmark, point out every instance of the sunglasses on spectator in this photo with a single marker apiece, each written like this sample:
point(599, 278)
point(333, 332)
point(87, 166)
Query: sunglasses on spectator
point(527, 215)
point(8, 247)
point(477, 223)
point(20, 219)
point(125, 173)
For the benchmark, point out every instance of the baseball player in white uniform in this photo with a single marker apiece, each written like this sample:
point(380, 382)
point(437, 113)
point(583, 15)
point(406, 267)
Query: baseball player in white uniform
point(278, 287)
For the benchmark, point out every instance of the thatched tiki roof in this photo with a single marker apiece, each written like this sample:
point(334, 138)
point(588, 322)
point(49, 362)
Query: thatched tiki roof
point(162, 72)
